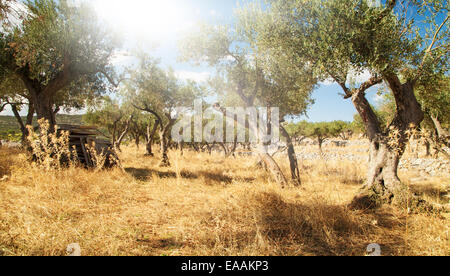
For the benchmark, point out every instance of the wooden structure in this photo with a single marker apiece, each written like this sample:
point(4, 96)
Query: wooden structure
point(83, 138)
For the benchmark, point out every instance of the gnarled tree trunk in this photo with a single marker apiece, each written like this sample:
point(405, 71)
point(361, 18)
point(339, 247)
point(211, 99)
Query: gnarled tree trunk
point(181, 147)
point(29, 120)
point(43, 105)
point(119, 141)
point(42, 95)
point(137, 140)
point(293, 162)
point(265, 157)
point(274, 169)
point(165, 139)
point(150, 138)
point(443, 137)
point(442, 133)
point(383, 184)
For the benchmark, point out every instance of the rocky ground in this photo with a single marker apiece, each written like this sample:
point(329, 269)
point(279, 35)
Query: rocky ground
point(354, 151)
point(357, 151)
point(432, 167)
point(9, 144)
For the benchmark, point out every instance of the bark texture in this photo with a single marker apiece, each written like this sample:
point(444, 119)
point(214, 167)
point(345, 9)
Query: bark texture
point(164, 136)
point(150, 138)
point(293, 162)
point(119, 141)
point(383, 184)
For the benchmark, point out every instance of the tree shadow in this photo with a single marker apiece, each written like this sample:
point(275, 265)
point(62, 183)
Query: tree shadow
point(352, 181)
point(212, 177)
point(325, 230)
point(169, 243)
point(145, 174)
point(440, 194)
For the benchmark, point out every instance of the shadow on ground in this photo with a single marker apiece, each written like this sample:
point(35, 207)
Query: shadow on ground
point(440, 194)
point(326, 229)
point(146, 174)
point(309, 229)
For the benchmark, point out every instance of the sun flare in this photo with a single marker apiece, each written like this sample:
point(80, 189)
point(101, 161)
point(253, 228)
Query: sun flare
point(150, 18)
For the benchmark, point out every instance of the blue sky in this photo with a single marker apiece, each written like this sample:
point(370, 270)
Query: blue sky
point(146, 22)
point(178, 16)
point(329, 104)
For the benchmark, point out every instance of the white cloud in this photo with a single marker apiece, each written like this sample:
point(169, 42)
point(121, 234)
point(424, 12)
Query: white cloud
point(359, 77)
point(213, 12)
point(353, 77)
point(229, 58)
point(194, 76)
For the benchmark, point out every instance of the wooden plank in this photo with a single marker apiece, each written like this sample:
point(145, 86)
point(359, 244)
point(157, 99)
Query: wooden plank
point(69, 127)
point(86, 156)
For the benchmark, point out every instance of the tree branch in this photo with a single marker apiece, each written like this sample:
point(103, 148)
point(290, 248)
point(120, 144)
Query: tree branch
point(348, 93)
point(149, 110)
point(110, 79)
point(390, 5)
point(430, 48)
point(62, 79)
point(375, 80)
point(428, 51)
point(2, 107)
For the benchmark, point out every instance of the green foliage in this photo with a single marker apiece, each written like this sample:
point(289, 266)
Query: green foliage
point(9, 129)
point(61, 51)
point(343, 38)
point(106, 116)
point(335, 36)
point(151, 87)
point(244, 77)
point(320, 130)
point(55, 36)
point(434, 96)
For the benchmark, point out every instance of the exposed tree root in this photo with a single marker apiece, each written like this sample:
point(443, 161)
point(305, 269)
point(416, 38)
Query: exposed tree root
point(377, 196)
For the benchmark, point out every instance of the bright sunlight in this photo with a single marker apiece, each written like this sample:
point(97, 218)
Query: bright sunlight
point(150, 18)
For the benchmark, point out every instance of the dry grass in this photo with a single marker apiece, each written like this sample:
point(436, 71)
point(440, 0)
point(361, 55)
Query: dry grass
point(204, 205)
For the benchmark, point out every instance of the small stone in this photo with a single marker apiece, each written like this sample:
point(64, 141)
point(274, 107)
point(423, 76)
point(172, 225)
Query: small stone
point(73, 250)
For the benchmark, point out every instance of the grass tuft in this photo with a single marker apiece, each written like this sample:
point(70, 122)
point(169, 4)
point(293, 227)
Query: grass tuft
point(205, 205)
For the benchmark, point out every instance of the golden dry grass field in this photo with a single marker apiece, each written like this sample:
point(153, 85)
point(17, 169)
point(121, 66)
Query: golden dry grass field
point(206, 205)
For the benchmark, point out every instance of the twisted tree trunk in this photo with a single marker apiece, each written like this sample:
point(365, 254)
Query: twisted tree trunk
point(42, 95)
point(29, 120)
point(383, 184)
point(165, 139)
point(293, 162)
point(263, 154)
point(181, 148)
point(442, 134)
point(43, 104)
point(124, 133)
point(150, 138)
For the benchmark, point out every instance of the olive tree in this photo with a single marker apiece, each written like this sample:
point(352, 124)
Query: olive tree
point(340, 38)
point(248, 79)
point(56, 50)
point(111, 116)
point(160, 93)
